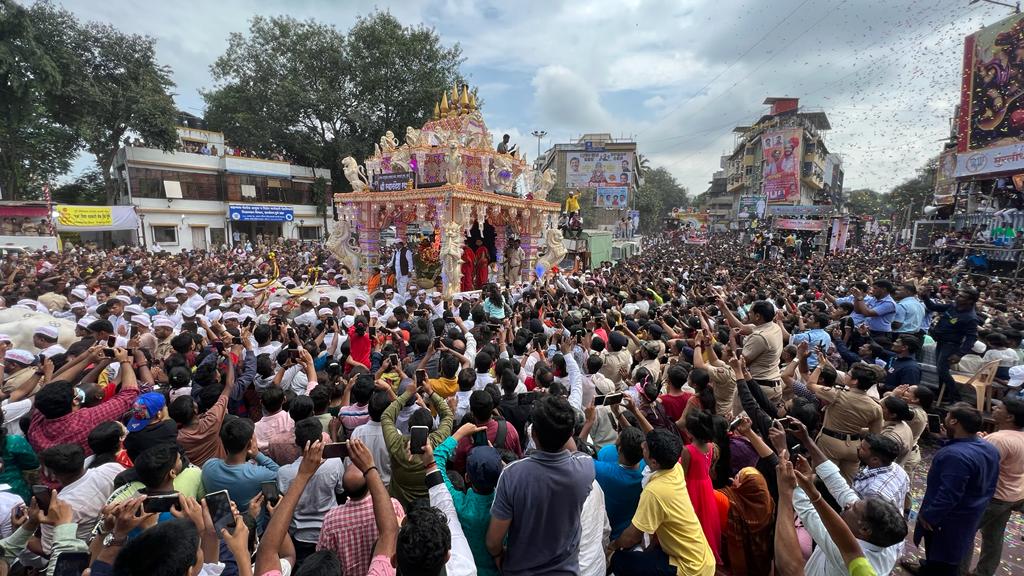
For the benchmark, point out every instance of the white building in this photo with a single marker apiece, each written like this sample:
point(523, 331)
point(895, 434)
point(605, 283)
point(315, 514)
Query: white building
point(200, 197)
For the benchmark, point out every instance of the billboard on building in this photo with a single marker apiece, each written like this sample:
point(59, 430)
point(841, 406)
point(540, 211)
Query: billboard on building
point(782, 151)
point(96, 218)
point(991, 107)
point(945, 178)
point(751, 207)
point(611, 197)
point(598, 169)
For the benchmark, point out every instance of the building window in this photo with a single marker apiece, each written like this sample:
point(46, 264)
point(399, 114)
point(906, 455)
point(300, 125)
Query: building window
point(309, 232)
point(218, 237)
point(165, 234)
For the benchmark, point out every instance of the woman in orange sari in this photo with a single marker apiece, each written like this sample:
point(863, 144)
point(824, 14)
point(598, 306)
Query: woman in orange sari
point(749, 532)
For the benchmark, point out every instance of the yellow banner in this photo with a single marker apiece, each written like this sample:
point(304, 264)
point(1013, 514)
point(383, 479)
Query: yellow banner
point(84, 216)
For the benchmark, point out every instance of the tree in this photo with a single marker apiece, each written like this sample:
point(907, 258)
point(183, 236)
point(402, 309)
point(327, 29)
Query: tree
point(915, 193)
point(34, 147)
point(112, 86)
point(319, 95)
point(659, 193)
point(864, 202)
point(87, 189)
point(643, 164)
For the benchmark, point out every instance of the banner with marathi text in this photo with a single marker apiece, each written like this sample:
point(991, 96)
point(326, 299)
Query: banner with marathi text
point(782, 152)
point(96, 218)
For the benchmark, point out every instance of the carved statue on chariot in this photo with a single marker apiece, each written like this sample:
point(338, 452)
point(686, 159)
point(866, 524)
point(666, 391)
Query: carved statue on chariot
point(341, 244)
point(451, 258)
point(355, 174)
point(554, 252)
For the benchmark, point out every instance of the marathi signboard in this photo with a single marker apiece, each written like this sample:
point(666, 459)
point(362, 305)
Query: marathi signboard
point(259, 213)
point(96, 218)
point(612, 198)
point(598, 169)
point(394, 182)
point(991, 95)
point(782, 151)
point(1009, 158)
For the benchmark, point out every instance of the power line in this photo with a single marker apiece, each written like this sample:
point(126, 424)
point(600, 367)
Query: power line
point(735, 62)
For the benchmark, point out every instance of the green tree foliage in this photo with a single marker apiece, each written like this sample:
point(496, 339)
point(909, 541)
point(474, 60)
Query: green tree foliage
point(914, 192)
point(864, 202)
point(659, 193)
point(113, 86)
point(110, 85)
point(87, 189)
point(34, 146)
point(318, 95)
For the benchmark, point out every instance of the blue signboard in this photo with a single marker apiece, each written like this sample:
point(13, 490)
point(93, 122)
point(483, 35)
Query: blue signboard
point(260, 213)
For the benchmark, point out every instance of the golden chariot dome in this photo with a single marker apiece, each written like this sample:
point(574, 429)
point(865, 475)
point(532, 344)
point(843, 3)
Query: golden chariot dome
point(453, 148)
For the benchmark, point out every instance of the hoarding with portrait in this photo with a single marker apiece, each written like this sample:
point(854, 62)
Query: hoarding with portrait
point(782, 151)
point(598, 169)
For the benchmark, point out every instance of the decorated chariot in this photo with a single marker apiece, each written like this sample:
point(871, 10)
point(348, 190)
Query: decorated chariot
point(446, 178)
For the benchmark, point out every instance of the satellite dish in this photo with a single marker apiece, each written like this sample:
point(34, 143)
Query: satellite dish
point(929, 210)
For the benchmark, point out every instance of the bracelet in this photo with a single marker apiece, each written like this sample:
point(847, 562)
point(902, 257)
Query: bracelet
point(370, 469)
point(816, 500)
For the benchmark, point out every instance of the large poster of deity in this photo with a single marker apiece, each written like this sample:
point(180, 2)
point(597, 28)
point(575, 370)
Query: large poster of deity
point(782, 152)
point(992, 91)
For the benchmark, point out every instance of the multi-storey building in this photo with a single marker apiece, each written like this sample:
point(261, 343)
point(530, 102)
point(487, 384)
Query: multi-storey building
point(209, 194)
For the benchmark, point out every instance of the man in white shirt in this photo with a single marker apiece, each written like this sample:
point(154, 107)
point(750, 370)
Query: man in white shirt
point(85, 490)
point(402, 264)
point(372, 434)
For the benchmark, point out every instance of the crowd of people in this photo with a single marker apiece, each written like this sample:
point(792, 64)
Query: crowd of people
point(687, 411)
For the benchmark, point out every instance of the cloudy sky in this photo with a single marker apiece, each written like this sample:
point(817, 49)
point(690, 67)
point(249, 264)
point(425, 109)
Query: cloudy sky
point(675, 75)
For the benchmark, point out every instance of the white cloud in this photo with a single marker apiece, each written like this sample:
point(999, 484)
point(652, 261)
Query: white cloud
point(565, 99)
point(655, 102)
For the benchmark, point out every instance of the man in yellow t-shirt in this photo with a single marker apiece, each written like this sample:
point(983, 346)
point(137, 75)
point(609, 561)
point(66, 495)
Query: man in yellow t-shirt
point(572, 203)
point(664, 510)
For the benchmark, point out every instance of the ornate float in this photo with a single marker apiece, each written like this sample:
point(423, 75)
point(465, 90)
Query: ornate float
point(446, 177)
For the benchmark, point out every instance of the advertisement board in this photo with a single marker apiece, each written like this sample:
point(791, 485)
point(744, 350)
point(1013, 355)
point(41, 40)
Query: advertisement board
point(782, 151)
point(612, 198)
point(991, 94)
point(96, 218)
point(259, 213)
point(751, 207)
point(598, 169)
point(945, 178)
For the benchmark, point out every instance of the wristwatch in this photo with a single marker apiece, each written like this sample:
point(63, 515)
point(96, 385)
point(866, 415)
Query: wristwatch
point(110, 540)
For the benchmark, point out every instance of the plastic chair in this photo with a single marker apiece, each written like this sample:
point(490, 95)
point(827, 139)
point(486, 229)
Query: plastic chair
point(981, 381)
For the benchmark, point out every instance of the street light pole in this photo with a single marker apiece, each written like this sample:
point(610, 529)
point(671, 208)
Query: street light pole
point(538, 134)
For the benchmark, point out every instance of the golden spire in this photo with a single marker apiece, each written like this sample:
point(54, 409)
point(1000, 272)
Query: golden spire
point(455, 100)
point(464, 99)
point(472, 100)
point(437, 110)
point(444, 105)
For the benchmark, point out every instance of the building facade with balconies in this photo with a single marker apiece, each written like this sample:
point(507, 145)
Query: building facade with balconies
point(744, 167)
point(206, 194)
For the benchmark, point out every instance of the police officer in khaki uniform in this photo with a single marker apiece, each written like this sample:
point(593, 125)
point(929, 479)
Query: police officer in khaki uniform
point(848, 414)
point(762, 346)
